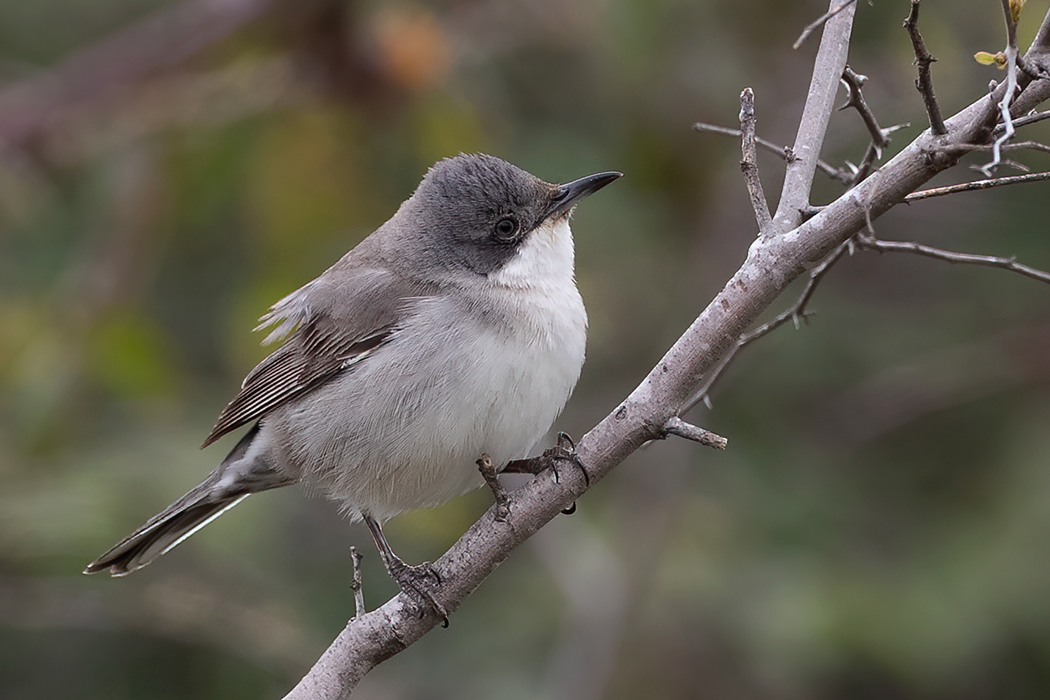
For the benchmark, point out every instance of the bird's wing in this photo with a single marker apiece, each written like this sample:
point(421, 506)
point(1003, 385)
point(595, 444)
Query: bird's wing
point(330, 325)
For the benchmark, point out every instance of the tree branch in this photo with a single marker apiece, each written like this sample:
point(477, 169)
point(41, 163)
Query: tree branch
point(855, 83)
point(797, 313)
point(772, 263)
point(356, 584)
point(828, 67)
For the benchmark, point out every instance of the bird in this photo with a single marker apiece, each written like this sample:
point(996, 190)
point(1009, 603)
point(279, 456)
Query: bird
point(454, 331)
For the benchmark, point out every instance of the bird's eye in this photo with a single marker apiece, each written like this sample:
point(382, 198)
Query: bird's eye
point(505, 229)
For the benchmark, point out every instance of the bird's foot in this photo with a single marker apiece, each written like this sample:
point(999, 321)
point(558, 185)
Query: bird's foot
point(488, 472)
point(419, 581)
point(563, 451)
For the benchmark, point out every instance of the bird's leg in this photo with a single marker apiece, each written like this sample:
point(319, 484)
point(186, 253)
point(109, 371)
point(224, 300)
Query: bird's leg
point(414, 580)
point(488, 472)
point(563, 451)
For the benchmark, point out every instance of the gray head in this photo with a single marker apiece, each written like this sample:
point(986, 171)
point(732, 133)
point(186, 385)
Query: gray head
point(473, 212)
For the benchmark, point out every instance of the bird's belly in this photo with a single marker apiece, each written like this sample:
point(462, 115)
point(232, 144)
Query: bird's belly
point(404, 429)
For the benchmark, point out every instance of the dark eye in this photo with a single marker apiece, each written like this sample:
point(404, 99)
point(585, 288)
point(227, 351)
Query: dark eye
point(505, 229)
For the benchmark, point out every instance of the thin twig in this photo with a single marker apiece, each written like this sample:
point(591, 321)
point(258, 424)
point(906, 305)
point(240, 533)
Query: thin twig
point(977, 185)
point(355, 584)
point(1024, 121)
point(863, 169)
point(783, 152)
point(854, 83)
point(749, 162)
point(1016, 146)
point(872, 243)
point(797, 312)
point(1008, 94)
point(812, 26)
point(924, 83)
point(677, 426)
point(1033, 71)
point(880, 138)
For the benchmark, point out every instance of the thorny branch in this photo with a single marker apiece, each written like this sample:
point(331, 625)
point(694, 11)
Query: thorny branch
point(854, 83)
point(1024, 121)
point(977, 185)
point(1011, 264)
point(797, 312)
point(1017, 146)
point(924, 83)
point(880, 138)
point(749, 162)
point(783, 152)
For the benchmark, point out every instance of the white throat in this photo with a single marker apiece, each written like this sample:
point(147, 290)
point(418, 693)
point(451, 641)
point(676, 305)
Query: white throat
point(544, 260)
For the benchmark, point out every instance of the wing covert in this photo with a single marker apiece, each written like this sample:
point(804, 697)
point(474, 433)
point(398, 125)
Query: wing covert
point(331, 324)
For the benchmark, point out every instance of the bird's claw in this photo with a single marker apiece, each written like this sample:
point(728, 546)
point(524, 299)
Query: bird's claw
point(565, 451)
point(417, 581)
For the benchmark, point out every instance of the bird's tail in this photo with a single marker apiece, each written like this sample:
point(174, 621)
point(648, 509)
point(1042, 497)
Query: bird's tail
point(162, 533)
point(205, 502)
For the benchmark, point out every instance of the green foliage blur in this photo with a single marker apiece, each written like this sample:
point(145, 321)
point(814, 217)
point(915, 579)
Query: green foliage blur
point(878, 528)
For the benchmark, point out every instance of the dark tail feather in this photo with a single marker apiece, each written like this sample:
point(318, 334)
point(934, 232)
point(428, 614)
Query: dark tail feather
point(163, 532)
point(205, 502)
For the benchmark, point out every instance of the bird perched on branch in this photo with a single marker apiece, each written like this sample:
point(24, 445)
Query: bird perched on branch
point(452, 332)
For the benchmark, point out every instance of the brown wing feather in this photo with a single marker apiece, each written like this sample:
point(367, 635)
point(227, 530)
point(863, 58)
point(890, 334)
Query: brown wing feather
point(312, 355)
point(331, 324)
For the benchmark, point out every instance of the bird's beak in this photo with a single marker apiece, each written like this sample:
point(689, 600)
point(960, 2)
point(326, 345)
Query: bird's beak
point(566, 196)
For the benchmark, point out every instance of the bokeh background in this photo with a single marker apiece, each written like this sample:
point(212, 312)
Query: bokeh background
point(878, 528)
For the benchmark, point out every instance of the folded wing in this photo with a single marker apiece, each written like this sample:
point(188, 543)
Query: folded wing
point(330, 325)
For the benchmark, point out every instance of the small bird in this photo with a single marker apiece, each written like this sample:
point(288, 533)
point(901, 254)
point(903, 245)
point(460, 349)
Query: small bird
point(454, 331)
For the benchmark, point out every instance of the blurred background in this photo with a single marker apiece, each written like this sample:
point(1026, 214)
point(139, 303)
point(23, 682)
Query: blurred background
point(878, 528)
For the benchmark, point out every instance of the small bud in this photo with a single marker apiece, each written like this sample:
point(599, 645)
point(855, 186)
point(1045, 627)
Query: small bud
point(1015, 8)
point(988, 59)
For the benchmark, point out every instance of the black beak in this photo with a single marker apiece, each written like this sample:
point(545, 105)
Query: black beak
point(566, 196)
